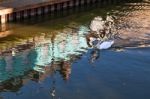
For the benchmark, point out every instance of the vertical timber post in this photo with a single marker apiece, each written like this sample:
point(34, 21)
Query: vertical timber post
point(3, 19)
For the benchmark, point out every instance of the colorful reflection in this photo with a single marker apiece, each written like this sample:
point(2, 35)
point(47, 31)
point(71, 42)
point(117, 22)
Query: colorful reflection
point(43, 57)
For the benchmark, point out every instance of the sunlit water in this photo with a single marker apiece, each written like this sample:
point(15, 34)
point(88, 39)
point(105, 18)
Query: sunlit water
point(60, 65)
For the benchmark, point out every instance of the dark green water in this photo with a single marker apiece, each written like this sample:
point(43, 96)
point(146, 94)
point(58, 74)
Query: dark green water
point(57, 63)
point(18, 32)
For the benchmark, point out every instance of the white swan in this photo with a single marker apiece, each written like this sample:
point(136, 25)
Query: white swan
point(101, 44)
point(105, 44)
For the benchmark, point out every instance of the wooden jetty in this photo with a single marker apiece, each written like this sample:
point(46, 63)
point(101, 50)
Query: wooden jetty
point(20, 9)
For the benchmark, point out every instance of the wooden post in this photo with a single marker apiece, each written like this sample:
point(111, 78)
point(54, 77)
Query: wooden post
point(46, 9)
point(25, 14)
point(10, 17)
point(52, 7)
point(49, 8)
point(17, 15)
point(3, 27)
point(32, 12)
point(61, 6)
point(55, 7)
point(3, 18)
point(71, 4)
point(42, 10)
point(22, 14)
point(29, 13)
point(82, 2)
point(36, 11)
point(39, 11)
point(65, 5)
point(77, 3)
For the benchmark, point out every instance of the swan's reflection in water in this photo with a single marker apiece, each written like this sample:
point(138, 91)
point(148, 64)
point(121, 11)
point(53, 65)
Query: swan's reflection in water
point(44, 56)
point(95, 55)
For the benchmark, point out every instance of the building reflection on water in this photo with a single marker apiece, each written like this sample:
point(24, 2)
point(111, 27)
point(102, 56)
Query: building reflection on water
point(40, 58)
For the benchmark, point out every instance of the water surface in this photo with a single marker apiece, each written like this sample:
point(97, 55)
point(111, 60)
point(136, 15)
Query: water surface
point(53, 61)
point(114, 75)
